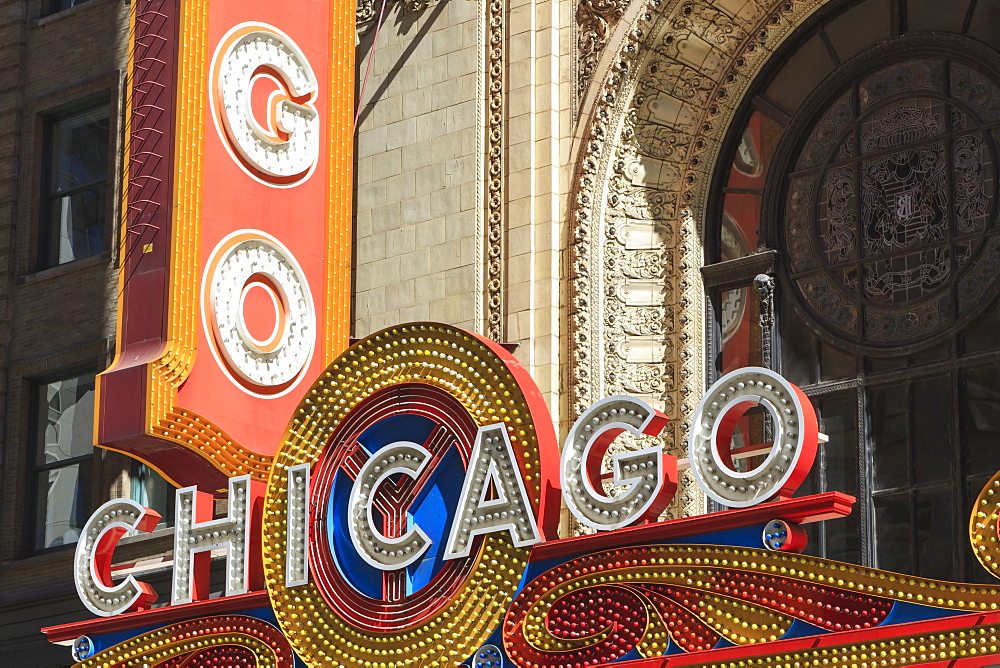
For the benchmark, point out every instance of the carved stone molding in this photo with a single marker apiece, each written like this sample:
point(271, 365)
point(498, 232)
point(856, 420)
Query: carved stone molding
point(494, 168)
point(366, 10)
point(643, 172)
point(595, 19)
point(369, 9)
point(740, 270)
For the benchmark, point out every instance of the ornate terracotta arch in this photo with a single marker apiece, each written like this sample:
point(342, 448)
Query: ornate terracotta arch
point(651, 128)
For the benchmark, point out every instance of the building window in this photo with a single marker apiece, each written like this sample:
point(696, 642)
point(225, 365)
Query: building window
point(75, 206)
point(863, 181)
point(59, 5)
point(148, 488)
point(63, 459)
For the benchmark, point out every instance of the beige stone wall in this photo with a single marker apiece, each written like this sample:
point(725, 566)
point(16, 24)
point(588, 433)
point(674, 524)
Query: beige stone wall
point(539, 132)
point(424, 164)
point(419, 193)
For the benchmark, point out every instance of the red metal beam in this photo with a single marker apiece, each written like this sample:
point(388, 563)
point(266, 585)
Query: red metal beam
point(815, 508)
point(158, 616)
point(830, 640)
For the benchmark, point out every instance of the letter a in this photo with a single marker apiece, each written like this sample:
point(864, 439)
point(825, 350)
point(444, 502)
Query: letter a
point(492, 466)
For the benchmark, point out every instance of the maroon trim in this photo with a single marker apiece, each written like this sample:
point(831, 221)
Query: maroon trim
point(815, 508)
point(146, 241)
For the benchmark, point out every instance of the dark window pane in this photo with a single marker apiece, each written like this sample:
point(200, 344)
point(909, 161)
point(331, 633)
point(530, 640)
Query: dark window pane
point(76, 225)
point(892, 533)
point(926, 15)
point(859, 27)
point(798, 347)
point(928, 356)
point(806, 68)
point(839, 457)
point(79, 150)
point(836, 365)
point(838, 420)
point(59, 5)
point(932, 421)
point(65, 419)
point(984, 335)
point(888, 424)
point(76, 195)
point(812, 484)
point(878, 364)
point(981, 421)
point(63, 504)
point(843, 538)
point(935, 533)
point(985, 24)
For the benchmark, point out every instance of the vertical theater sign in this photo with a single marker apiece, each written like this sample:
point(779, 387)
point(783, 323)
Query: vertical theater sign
point(236, 230)
point(396, 502)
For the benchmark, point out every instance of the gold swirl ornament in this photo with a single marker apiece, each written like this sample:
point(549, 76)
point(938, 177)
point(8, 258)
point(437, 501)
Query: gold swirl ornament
point(983, 527)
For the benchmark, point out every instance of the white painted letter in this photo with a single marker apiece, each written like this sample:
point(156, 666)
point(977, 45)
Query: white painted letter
point(297, 557)
point(196, 534)
point(286, 151)
point(94, 552)
point(492, 467)
point(649, 476)
point(787, 460)
point(380, 551)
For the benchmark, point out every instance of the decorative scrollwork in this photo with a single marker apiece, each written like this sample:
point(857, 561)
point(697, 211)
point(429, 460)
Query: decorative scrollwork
point(495, 27)
point(595, 19)
point(876, 232)
point(224, 640)
point(368, 9)
point(696, 595)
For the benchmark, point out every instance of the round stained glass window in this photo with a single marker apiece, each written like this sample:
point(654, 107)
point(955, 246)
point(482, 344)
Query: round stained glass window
point(890, 212)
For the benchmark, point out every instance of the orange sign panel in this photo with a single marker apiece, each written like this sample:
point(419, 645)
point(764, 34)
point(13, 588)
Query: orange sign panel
point(235, 278)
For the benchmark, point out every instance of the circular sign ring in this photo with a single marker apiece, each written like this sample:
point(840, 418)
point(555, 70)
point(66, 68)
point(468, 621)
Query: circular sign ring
point(455, 425)
point(487, 381)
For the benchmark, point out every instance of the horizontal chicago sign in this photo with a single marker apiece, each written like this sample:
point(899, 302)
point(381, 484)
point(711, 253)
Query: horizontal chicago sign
point(416, 477)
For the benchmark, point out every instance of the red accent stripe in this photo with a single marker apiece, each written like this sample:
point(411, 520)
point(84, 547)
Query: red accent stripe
point(158, 616)
point(826, 640)
point(815, 508)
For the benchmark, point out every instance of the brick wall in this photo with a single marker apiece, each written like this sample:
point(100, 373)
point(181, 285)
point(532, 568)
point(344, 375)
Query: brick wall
point(57, 318)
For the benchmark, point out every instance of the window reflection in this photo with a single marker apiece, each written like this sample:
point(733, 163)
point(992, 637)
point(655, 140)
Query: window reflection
point(149, 489)
point(63, 453)
point(883, 208)
point(59, 5)
point(76, 201)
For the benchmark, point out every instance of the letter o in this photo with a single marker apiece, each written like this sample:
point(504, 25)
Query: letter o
point(796, 436)
point(252, 260)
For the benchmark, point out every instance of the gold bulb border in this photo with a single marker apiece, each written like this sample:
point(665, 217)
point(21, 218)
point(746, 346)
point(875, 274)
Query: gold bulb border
point(267, 644)
point(465, 367)
point(738, 620)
